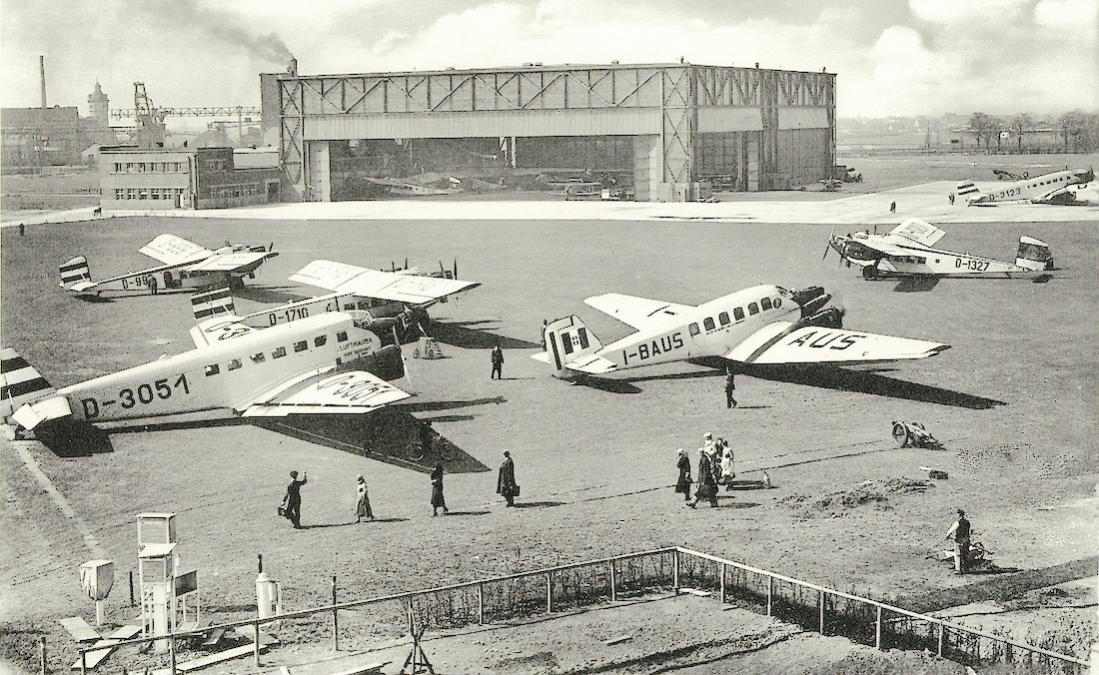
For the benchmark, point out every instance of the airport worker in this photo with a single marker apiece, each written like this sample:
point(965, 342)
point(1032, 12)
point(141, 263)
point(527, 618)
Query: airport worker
point(683, 483)
point(730, 387)
point(728, 472)
point(959, 532)
point(707, 488)
point(22, 229)
point(505, 480)
point(497, 363)
point(892, 207)
point(437, 499)
point(362, 506)
point(951, 199)
point(293, 498)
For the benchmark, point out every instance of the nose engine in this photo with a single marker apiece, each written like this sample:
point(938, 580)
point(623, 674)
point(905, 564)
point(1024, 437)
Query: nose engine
point(816, 310)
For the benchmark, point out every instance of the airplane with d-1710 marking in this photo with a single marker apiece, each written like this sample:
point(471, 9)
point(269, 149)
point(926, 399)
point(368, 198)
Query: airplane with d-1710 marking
point(185, 264)
point(906, 252)
point(763, 325)
point(331, 363)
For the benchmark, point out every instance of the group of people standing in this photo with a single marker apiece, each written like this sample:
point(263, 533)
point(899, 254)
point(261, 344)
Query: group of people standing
point(715, 468)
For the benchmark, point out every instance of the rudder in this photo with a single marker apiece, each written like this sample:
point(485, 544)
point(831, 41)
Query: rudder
point(74, 271)
point(20, 383)
point(207, 304)
point(568, 341)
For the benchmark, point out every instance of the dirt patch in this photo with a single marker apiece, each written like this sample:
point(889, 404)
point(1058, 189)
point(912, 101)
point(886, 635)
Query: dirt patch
point(1023, 460)
point(873, 493)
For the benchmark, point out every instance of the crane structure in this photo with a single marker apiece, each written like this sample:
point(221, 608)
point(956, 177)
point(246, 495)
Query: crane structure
point(149, 128)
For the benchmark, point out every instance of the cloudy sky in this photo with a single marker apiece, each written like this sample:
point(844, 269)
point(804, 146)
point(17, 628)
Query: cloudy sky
point(904, 57)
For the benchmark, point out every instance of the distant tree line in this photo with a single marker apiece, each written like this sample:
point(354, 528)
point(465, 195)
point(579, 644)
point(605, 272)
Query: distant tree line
point(1077, 130)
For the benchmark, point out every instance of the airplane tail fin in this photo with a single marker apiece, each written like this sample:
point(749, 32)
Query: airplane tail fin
point(1034, 255)
point(25, 396)
point(571, 348)
point(967, 191)
point(76, 275)
point(207, 304)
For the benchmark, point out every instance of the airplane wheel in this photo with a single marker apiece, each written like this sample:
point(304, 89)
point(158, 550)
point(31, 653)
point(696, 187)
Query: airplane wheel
point(900, 435)
point(415, 451)
point(446, 450)
point(416, 353)
point(869, 272)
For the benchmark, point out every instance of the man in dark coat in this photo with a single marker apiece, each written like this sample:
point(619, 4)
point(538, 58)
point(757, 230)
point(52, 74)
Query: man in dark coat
point(707, 486)
point(437, 498)
point(683, 484)
point(497, 363)
point(505, 480)
point(730, 387)
point(293, 498)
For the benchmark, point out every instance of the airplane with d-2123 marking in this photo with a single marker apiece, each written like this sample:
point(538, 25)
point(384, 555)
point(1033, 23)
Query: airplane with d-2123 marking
point(330, 363)
point(763, 325)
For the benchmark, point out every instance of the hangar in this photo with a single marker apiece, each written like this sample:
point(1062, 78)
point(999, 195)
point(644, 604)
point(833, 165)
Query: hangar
point(660, 128)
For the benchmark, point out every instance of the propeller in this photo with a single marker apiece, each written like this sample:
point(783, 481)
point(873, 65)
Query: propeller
point(831, 233)
point(404, 361)
point(455, 268)
point(271, 247)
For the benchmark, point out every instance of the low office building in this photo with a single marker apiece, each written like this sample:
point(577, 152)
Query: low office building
point(185, 178)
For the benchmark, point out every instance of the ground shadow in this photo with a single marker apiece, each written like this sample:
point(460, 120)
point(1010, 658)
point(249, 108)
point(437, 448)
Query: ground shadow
point(94, 299)
point(674, 376)
point(869, 383)
point(537, 505)
point(429, 406)
point(749, 485)
point(323, 525)
point(916, 284)
point(450, 418)
point(466, 513)
point(603, 384)
point(751, 407)
point(459, 334)
point(72, 438)
point(385, 520)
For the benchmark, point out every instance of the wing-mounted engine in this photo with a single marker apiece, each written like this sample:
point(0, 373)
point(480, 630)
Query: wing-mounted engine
point(816, 309)
point(1033, 255)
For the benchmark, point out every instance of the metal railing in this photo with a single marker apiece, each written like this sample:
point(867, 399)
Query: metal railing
point(589, 582)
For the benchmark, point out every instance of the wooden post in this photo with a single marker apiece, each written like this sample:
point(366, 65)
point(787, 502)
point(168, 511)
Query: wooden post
point(335, 618)
point(722, 595)
point(83, 662)
point(549, 591)
point(614, 584)
point(255, 643)
point(132, 603)
point(820, 601)
point(877, 630)
point(770, 593)
point(42, 653)
point(941, 636)
point(675, 571)
point(481, 604)
point(172, 651)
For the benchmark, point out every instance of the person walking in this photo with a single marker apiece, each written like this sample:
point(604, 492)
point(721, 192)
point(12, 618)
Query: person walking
point(437, 499)
point(497, 363)
point(728, 472)
point(362, 507)
point(959, 532)
point(730, 388)
point(707, 488)
point(952, 199)
point(22, 229)
point(683, 483)
point(892, 207)
point(292, 500)
point(505, 480)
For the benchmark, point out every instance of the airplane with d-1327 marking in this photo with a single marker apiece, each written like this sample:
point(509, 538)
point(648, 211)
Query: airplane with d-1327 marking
point(331, 363)
point(763, 325)
point(185, 264)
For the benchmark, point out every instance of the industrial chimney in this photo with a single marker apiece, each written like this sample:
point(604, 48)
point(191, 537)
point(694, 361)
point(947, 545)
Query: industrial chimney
point(292, 69)
point(42, 78)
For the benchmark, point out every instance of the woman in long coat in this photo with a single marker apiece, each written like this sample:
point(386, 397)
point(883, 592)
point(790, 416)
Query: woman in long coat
point(683, 484)
point(437, 499)
point(707, 486)
point(728, 472)
point(362, 506)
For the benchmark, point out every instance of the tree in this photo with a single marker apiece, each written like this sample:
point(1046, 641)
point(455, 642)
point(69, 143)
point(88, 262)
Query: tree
point(978, 124)
point(996, 126)
point(1071, 125)
point(1019, 125)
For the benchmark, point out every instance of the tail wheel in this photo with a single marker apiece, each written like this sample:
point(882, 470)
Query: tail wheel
point(900, 435)
point(870, 272)
point(415, 451)
point(446, 450)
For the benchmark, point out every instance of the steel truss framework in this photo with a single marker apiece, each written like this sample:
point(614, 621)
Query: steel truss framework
point(677, 90)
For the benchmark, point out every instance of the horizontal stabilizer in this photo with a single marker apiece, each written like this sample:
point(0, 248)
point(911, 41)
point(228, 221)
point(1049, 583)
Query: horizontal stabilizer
point(217, 301)
point(52, 408)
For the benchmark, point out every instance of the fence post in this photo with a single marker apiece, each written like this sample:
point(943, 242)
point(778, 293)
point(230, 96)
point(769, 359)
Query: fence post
point(877, 630)
point(820, 601)
point(172, 651)
point(675, 571)
point(770, 593)
point(83, 662)
point(549, 592)
point(255, 641)
point(941, 631)
point(42, 653)
point(335, 618)
point(614, 584)
point(722, 595)
point(481, 604)
point(132, 603)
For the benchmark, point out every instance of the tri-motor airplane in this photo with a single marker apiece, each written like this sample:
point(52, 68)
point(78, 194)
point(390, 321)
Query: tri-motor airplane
point(402, 295)
point(330, 363)
point(184, 264)
point(763, 325)
point(1050, 188)
point(906, 252)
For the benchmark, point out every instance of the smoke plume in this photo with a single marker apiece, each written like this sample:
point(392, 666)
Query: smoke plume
point(221, 25)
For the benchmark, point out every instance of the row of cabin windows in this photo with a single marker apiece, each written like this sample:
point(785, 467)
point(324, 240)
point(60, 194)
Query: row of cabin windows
point(738, 315)
point(278, 353)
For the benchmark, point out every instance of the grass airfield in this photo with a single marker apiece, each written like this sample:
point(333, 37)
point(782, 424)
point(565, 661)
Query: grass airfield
point(1013, 400)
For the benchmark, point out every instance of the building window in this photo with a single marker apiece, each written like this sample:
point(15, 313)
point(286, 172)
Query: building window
point(119, 193)
point(142, 193)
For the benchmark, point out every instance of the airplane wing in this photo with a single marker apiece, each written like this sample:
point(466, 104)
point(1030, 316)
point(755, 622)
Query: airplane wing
point(347, 392)
point(783, 343)
point(229, 262)
point(218, 329)
point(172, 250)
point(391, 286)
point(635, 311)
point(916, 231)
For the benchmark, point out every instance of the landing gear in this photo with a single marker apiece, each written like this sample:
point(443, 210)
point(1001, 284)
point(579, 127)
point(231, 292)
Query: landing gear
point(870, 272)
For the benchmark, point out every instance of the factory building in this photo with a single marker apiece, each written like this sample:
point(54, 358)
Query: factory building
point(661, 129)
point(186, 178)
point(33, 138)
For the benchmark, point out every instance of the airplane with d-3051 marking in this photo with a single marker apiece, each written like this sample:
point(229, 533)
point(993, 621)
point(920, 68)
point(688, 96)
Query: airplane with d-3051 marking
point(185, 264)
point(331, 363)
point(763, 325)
